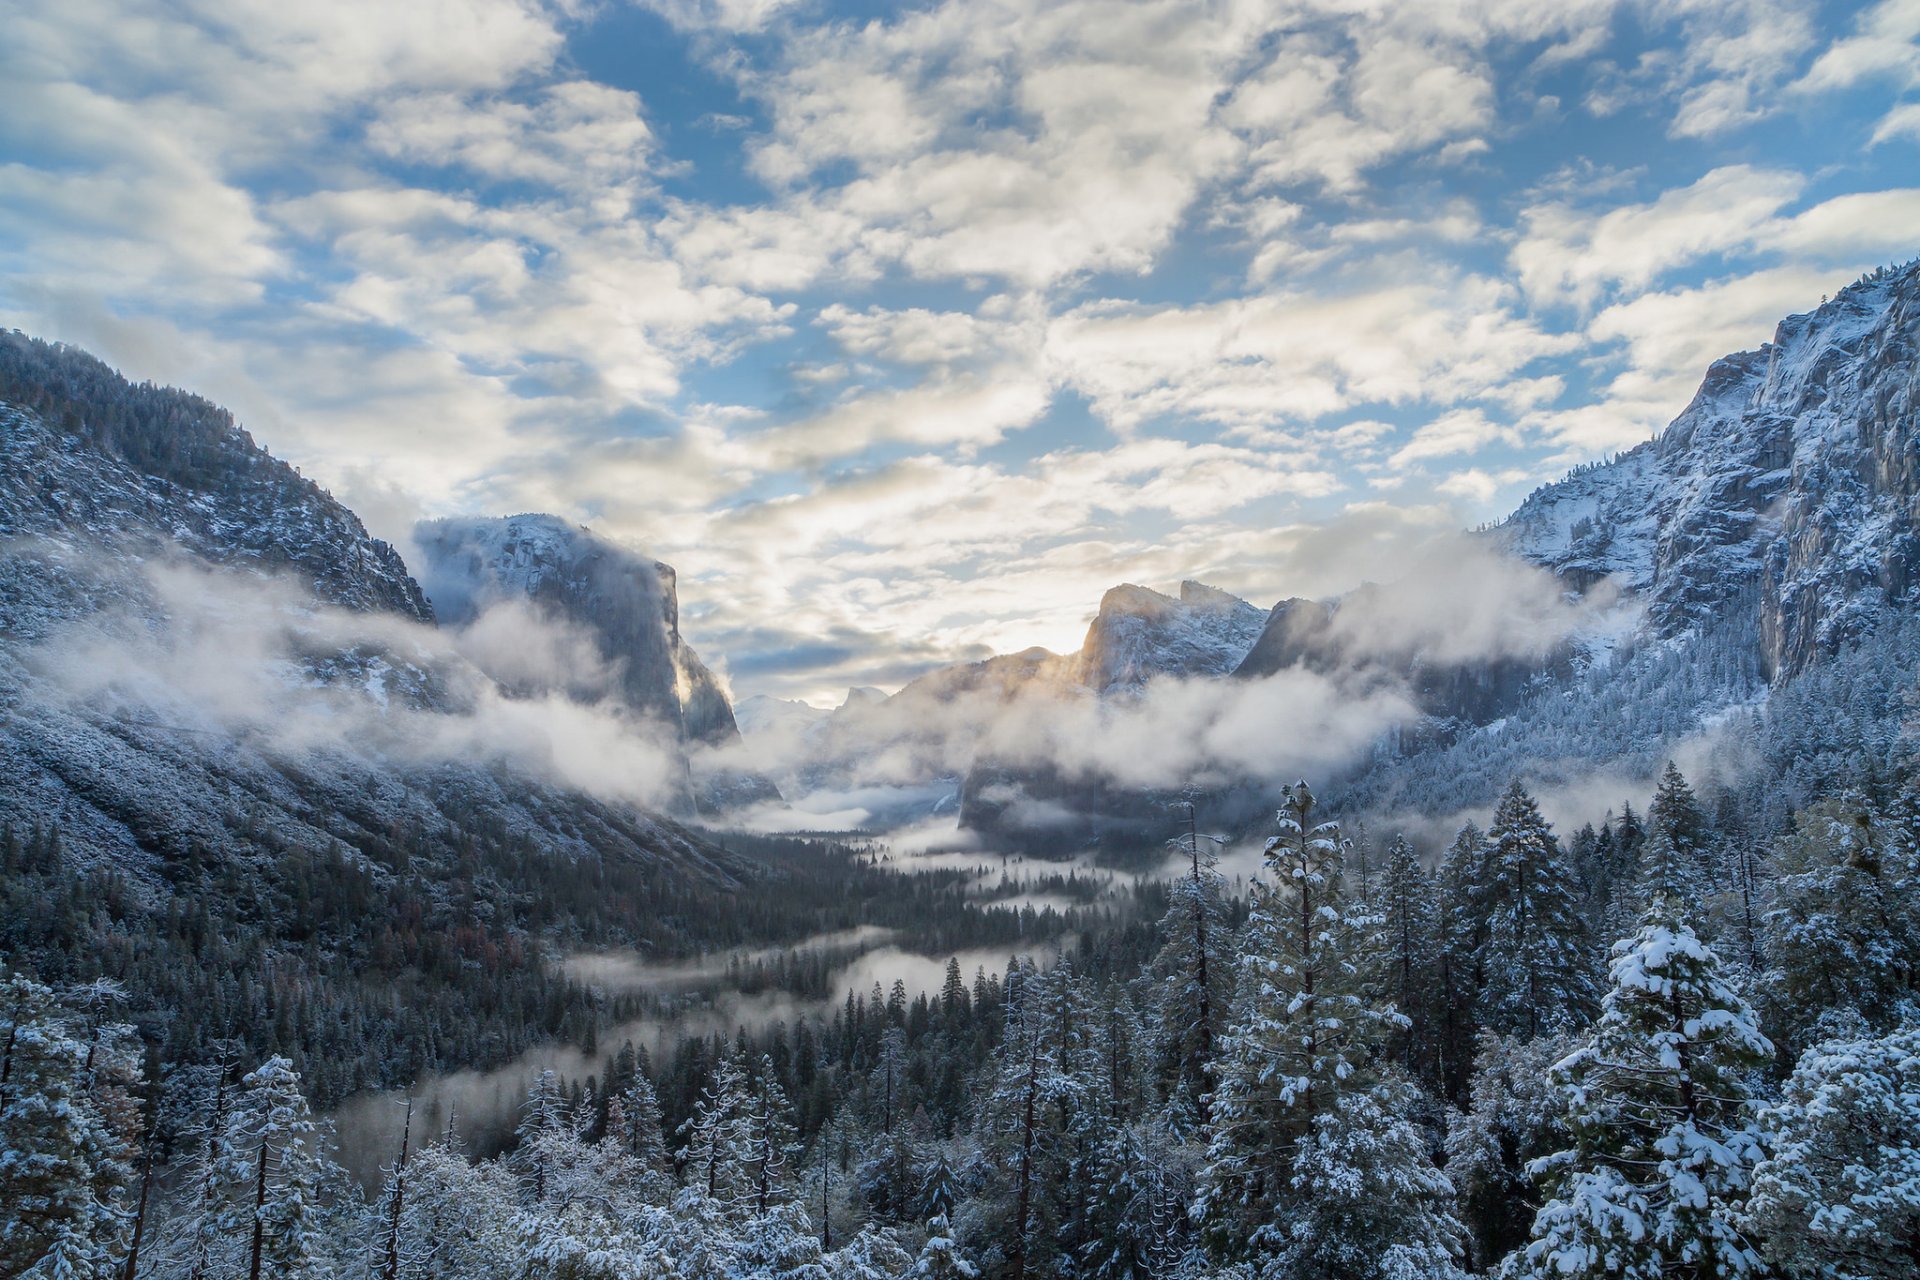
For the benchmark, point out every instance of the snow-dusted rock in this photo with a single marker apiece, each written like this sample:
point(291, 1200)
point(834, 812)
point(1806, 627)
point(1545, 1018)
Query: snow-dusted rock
point(1785, 494)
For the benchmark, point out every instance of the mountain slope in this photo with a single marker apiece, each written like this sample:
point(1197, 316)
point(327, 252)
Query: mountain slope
point(1784, 496)
point(226, 712)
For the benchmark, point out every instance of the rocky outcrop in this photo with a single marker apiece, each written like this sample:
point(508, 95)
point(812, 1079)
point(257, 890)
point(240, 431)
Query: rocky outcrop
point(1782, 501)
point(99, 476)
point(628, 604)
point(1139, 634)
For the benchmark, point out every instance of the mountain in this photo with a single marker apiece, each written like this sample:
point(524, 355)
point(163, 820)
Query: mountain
point(628, 605)
point(1784, 498)
point(1139, 634)
point(98, 476)
point(1767, 533)
point(226, 712)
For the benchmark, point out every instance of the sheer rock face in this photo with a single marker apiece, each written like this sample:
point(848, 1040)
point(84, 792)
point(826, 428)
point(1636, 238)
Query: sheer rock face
point(628, 604)
point(1139, 634)
point(1784, 496)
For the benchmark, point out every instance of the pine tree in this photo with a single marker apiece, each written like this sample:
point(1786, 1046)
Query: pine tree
point(718, 1138)
point(1193, 983)
point(1410, 947)
point(1313, 1168)
point(1461, 959)
point(1513, 1119)
point(1664, 1142)
point(940, 1257)
point(542, 1115)
point(66, 1137)
point(639, 1129)
point(1538, 979)
point(1843, 931)
point(1838, 1195)
point(278, 1168)
point(770, 1139)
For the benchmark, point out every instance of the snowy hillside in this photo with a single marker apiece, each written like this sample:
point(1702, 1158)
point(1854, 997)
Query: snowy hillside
point(1786, 493)
point(204, 654)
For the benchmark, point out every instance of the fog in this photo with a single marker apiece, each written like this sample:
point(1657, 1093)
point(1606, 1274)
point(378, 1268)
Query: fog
point(1456, 600)
point(483, 1106)
point(255, 658)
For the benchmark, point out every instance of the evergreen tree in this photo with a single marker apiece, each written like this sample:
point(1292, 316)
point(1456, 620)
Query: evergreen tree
point(1843, 931)
point(1410, 948)
point(277, 1168)
point(1313, 1169)
point(1663, 1137)
point(1538, 978)
point(1838, 1196)
point(770, 1139)
point(1513, 1119)
point(1193, 983)
point(638, 1127)
point(67, 1137)
point(717, 1148)
point(1461, 959)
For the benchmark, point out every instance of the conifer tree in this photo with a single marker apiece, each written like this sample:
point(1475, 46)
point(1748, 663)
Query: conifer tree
point(1838, 1194)
point(1538, 978)
point(1409, 947)
point(770, 1139)
point(1663, 1136)
point(66, 1139)
point(639, 1129)
point(278, 1169)
point(1462, 938)
point(1843, 931)
point(1313, 1169)
point(1193, 982)
point(718, 1138)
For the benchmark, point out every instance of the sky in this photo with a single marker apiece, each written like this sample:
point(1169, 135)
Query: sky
point(905, 331)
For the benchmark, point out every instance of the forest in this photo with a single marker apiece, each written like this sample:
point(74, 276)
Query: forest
point(1660, 1045)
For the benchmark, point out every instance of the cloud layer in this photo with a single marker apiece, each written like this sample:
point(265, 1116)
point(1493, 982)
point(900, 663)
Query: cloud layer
point(905, 337)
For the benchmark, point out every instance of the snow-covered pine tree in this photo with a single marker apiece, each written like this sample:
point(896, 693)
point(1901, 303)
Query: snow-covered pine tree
point(1514, 1118)
point(1538, 975)
point(717, 1139)
point(770, 1139)
point(1193, 981)
point(279, 1167)
point(1313, 1169)
point(1838, 1195)
point(941, 1257)
point(1843, 929)
point(1663, 1134)
point(542, 1115)
point(1409, 950)
point(65, 1149)
point(1674, 856)
point(640, 1131)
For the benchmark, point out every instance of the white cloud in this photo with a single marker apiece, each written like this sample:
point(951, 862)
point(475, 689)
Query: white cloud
point(1569, 255)
point(1462, 431)
point(1885, 43)
point(1282, 357)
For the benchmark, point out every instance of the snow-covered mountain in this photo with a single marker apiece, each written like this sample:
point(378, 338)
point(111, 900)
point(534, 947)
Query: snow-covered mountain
point(1140, 633)
point(204, 655)
point(627, 605)
point(1785, 496)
